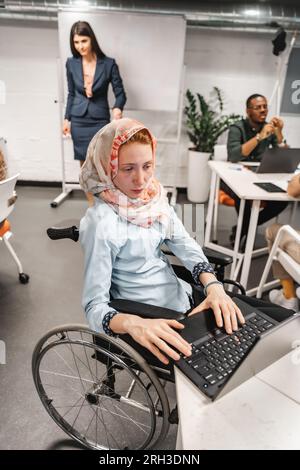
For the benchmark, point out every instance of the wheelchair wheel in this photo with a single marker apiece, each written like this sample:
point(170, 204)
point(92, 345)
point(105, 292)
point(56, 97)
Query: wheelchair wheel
point(115, 402)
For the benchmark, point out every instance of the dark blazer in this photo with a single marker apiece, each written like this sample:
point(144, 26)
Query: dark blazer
point(106, 72)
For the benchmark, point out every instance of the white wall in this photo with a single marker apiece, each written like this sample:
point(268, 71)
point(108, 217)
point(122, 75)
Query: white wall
point(29, 118)
point(239, 63)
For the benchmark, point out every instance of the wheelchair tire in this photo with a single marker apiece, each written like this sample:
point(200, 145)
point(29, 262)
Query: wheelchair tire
point(119, 404)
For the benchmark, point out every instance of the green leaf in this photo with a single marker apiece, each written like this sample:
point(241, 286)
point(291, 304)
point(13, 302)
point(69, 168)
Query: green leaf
point(205, 124)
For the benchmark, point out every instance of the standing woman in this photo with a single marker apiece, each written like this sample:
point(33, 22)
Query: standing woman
point(89, 73)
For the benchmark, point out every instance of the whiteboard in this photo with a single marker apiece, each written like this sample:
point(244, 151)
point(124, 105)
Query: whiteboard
point(148, 48)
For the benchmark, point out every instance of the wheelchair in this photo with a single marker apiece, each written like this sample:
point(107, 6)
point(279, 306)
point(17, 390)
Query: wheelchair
point(99, 389)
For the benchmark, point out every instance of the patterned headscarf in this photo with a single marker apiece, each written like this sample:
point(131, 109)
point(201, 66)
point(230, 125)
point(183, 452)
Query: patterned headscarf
point(101, 166)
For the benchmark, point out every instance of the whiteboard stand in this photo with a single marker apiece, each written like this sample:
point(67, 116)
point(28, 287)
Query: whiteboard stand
point(67, 188)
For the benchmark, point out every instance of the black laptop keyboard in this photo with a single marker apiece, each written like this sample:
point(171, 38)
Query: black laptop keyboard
point(216, 356)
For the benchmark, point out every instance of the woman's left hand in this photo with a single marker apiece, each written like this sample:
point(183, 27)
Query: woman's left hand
point(226, 312)
point(117, 113)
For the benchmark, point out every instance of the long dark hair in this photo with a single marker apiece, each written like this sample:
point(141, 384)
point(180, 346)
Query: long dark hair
point(82, 28)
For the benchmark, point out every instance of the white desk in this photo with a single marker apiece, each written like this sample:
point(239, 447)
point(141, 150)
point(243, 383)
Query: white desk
point(240, 180)
point(262, 413)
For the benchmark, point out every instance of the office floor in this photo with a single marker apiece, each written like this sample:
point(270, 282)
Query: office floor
point(52, 297)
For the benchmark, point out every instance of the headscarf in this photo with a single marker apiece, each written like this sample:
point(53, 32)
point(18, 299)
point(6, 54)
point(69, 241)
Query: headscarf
point(101, 166)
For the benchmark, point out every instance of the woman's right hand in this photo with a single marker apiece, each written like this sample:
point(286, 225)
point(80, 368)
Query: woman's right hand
point(66, 128)
point(158, 336)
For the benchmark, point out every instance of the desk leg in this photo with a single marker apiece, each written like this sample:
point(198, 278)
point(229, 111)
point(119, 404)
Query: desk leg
point(216, 209)
point(179, 444)
point(210, 208)
point(293, 213)
point(237, 238)
point(250, 242)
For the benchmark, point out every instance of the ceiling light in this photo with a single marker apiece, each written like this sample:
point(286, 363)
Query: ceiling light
point(252, 12)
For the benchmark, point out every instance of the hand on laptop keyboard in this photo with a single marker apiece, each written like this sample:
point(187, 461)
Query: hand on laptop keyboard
point(159, 336)
point(226, 312)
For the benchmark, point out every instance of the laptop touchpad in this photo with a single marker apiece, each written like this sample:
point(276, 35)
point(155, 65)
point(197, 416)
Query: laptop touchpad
point(198, 325)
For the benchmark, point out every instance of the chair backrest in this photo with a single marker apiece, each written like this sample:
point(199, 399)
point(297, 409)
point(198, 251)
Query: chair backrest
point(289, 264)
point(220, 152)
point(7, 193)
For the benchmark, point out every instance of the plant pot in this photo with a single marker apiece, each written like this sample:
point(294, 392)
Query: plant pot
point(199, 176)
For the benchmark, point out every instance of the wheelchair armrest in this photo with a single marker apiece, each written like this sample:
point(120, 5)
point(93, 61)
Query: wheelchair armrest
point(145, 310)
point(217, 258)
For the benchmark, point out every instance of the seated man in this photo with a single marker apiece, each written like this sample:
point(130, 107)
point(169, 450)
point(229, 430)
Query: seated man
point(286, 297)
point(247, 141)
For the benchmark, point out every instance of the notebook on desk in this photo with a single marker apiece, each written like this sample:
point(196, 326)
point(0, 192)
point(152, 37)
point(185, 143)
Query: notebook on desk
point(220, 362)
point(276, 160)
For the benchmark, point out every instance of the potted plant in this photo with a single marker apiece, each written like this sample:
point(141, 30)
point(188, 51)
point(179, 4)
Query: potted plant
point(205, 125)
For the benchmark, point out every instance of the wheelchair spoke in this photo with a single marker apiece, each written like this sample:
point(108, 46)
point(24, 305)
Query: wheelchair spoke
point(78, 358)
point(67, 376)
point(127, 417)
point(69, 388)
point(103, 422)
point(72, 407)
point(78, 413)
point(60, 356)
point(108, 433)
point(89, 425)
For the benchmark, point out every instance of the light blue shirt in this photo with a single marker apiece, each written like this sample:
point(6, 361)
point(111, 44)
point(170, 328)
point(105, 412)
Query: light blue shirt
point(125, 261)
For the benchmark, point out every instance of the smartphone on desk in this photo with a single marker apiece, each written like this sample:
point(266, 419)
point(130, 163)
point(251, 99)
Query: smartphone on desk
point(270, 187)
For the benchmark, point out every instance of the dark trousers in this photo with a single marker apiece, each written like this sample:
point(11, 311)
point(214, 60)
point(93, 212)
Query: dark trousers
point(271, 209)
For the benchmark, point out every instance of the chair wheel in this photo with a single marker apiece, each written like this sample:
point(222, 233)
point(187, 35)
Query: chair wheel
point(23, 278)
point(53, 204)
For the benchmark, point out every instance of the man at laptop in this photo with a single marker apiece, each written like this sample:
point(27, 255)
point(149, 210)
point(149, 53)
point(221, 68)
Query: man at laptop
point(247, 141)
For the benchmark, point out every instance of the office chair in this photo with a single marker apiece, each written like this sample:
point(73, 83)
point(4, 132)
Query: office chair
point(278, 254)
point(8, 198)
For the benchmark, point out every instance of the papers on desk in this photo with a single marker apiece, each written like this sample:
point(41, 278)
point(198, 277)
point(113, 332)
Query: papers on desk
point(245, 163)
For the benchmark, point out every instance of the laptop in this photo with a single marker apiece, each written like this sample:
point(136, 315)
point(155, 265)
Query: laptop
point(276, 160)
point(220, 362)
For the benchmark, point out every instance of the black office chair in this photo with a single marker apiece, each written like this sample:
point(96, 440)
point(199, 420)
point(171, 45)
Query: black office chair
point(99, 389)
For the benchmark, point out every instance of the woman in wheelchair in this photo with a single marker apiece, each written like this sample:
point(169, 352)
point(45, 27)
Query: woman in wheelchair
point(122, 235)
point(110, 392)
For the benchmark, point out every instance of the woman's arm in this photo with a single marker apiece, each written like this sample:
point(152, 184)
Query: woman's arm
point(119, 92)
point(100, 252)
point(192, 257)
point(71, 93)
point(99, 255)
